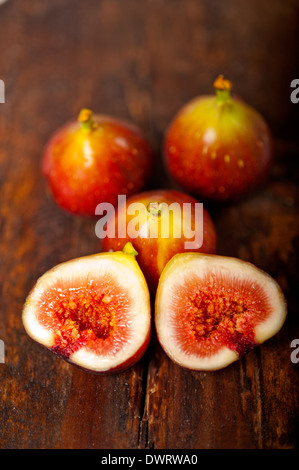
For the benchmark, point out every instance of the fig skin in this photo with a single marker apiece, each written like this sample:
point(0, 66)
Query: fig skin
point(224, 335)
point(93, 160)
point(217, 147)
point(127, 341)
point(154, 253)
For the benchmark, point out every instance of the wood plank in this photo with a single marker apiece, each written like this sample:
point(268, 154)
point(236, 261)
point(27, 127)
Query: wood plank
point(142, 61)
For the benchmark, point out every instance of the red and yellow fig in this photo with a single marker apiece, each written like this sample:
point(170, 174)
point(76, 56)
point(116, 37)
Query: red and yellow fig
point(169, 223)
point(218, 147)
point(93, 160)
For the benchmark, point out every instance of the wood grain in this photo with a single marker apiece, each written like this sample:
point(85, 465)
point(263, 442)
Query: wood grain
point(142, 61)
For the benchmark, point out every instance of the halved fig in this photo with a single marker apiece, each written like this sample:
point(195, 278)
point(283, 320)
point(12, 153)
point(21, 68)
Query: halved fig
point(92, 311)
point(210, 310)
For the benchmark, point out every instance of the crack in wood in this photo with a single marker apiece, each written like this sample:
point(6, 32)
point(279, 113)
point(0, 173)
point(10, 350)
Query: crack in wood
point(143, 424)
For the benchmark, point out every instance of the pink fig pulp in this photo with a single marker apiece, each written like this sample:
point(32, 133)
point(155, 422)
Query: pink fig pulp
point(211, 310)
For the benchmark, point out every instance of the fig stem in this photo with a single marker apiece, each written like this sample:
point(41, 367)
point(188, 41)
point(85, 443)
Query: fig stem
point(222, 88)
point(85, 118)
point(128, 249)
point(154, 208)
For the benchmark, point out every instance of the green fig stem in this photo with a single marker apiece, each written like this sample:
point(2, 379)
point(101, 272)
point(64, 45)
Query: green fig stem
point(154, 208)
point(223, 89)
point(128, 249)
point(85, 118)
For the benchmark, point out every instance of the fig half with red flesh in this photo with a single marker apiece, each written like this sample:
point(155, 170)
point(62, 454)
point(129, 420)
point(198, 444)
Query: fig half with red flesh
point(92, 311)
point(210, 310)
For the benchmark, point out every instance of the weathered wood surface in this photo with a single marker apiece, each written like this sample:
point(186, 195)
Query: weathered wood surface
point(142, 61)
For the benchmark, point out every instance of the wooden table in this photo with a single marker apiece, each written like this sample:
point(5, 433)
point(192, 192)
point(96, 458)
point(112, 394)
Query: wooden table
point(143, 61)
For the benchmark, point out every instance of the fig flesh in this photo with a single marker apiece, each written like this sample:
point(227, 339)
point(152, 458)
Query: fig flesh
point(92, 311)
point(210, 310)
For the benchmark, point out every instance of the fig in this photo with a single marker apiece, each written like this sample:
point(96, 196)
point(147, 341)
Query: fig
point(94, 159)
point(210, 310)
point(92, 311)
point(218, 147)
point(169, 224)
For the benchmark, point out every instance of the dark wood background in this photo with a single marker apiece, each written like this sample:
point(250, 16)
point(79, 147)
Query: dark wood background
point(143, 60)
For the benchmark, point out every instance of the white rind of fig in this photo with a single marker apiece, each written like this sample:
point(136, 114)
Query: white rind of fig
point(222, 270)
point(124, 270)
